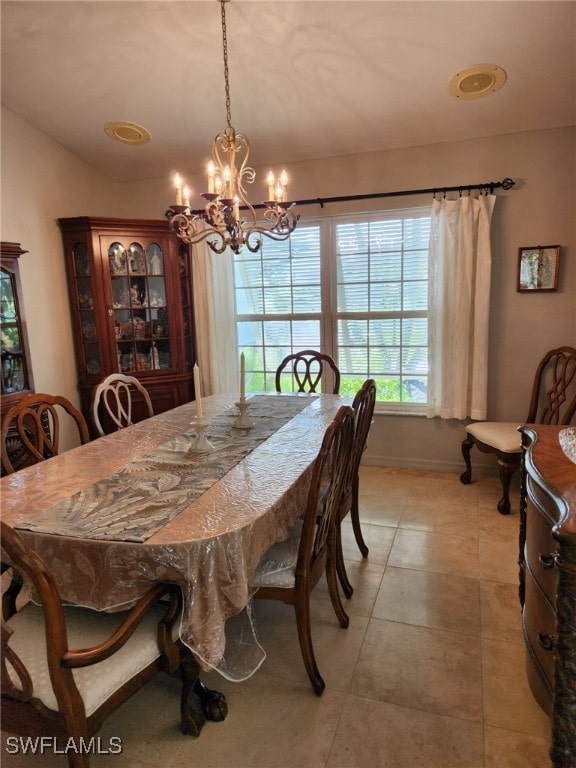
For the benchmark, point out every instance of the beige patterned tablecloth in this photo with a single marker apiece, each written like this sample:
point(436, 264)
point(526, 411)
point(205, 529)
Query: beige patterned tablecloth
point(210, 547)
point(142, 497)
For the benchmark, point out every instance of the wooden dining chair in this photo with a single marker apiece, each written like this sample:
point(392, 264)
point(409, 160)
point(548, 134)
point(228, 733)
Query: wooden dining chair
point(66, 669)
point(113, 398)
point(290, 570)
point(30, 430)
point(306, 370)
point(363, 407)
point(553, 401)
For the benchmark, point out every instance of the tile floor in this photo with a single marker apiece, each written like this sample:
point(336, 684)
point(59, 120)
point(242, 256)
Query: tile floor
point(429, 674)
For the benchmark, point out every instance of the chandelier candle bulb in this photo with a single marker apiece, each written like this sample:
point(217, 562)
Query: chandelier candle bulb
point(178, 183)
point(197, 393)
point(236, 209)
point(210, 178)
point(270, 182)
point(227, 178)
point(284, 182)
point(186, 194)
point(278, 193)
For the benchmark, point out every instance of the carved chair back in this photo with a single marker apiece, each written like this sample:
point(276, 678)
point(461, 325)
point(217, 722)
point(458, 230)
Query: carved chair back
point(315, 540)
point(31, 430)
point(307, 369)
point(114, 397)
point(553, 398)
point(363, 407)
point(45, 686)
point(328, 479)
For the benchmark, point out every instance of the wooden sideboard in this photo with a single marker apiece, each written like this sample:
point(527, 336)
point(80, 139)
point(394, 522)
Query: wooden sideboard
point(548, 582)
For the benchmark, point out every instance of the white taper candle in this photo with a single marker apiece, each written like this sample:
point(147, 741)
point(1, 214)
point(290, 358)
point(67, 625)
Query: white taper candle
point(197, 392)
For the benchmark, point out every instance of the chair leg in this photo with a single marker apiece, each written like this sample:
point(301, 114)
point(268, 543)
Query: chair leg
point(355, 517)
point(77, 759)
point(302, 609)
point(506, 472)
point(466, 476)
point(76, 729)
point(332, 577)
point(347, 588)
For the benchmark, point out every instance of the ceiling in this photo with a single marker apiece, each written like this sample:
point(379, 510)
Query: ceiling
point(308, 79)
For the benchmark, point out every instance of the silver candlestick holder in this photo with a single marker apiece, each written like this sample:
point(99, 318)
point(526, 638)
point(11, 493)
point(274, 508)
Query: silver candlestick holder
point(200, 442)
point(243, 421)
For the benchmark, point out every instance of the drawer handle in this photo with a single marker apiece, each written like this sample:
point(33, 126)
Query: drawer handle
point(547, 561)
point(548, 642)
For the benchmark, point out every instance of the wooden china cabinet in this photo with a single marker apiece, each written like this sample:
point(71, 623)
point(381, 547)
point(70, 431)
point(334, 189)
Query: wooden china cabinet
point(131, 299)
point(16, 380)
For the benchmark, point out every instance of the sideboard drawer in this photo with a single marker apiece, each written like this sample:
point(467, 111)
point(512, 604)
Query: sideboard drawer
point(540, 628)
point(541, 550)
point(542, 500)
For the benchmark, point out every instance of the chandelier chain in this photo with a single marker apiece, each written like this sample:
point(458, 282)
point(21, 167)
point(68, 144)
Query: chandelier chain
point(225, 50)
point(220, 224)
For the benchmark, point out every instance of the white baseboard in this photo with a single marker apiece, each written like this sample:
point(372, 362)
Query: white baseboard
point(426, 464)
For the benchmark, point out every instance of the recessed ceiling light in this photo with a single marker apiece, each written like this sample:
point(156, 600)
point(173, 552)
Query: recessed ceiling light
point(127, 133)
point(477, 81)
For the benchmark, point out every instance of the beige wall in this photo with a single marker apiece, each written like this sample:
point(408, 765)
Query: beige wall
point(41, 182)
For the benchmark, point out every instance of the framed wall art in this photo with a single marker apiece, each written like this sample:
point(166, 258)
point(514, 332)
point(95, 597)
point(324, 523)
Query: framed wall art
point(538, 268)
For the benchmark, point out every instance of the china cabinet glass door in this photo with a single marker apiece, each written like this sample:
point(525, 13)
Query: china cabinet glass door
point(187, 311)
point(85, 300)
point(15, 372)
point(139, 306)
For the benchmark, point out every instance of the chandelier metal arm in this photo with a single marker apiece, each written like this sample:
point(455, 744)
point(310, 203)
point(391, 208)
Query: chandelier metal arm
point(186, 228)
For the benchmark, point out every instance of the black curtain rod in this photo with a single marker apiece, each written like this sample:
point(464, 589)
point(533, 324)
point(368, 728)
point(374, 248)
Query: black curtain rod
point(488, 186)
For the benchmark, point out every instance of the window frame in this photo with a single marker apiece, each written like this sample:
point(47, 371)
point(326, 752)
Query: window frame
point(329, 314)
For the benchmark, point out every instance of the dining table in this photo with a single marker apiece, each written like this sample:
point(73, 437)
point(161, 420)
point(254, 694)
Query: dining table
point(193, 496)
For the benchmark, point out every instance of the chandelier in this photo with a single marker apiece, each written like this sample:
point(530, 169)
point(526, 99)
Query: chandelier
point(228, 218)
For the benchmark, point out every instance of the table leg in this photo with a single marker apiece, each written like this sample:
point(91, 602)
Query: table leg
point(214, 703)
point(198, 703)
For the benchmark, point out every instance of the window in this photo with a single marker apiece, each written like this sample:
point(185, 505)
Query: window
point(278, 303)
point(355, 287)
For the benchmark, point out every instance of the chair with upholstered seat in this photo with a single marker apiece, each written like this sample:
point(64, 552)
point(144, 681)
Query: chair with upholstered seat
point(553, 401)
point(113, 398)
point(290, 570)
point(31, 429)
point(66, 669)
point(363, 407)
point(305, 371)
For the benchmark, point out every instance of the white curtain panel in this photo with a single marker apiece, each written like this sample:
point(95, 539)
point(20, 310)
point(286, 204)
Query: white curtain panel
point(217, 348)
point(458, 305)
